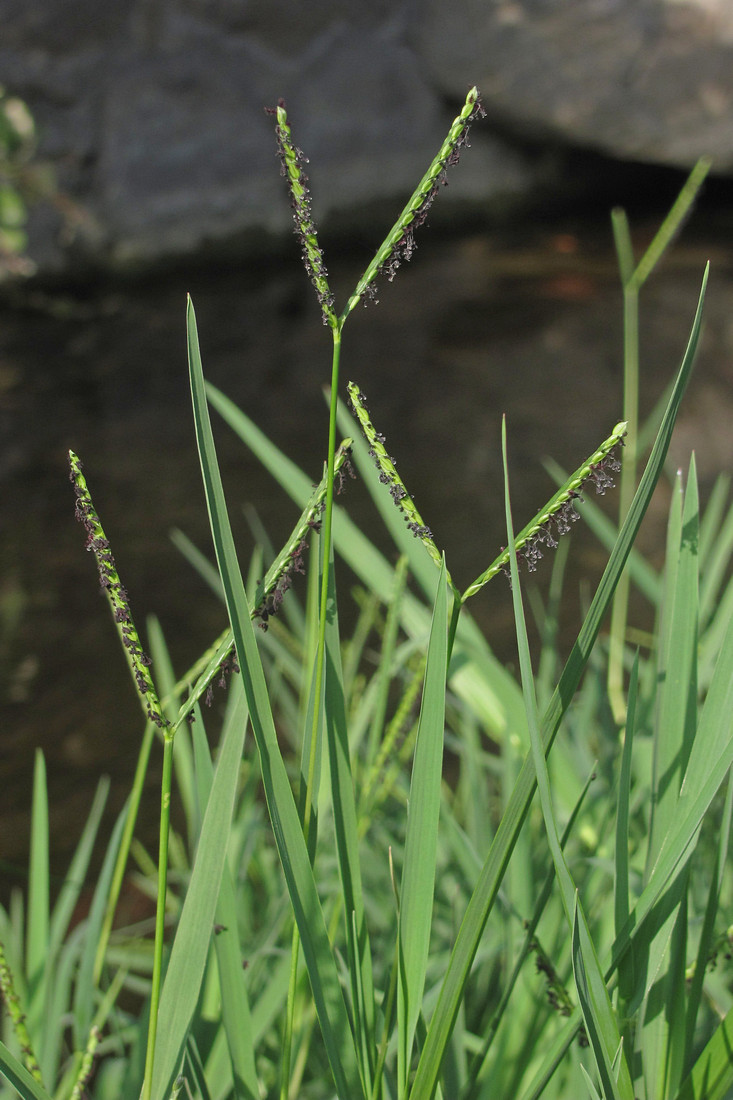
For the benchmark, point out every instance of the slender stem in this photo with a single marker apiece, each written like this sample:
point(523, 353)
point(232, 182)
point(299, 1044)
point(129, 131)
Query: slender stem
point(118, 874)
point(326, 534)
point(455, 615)
point(287, 1045)
point(165, 813)
point(619, 613)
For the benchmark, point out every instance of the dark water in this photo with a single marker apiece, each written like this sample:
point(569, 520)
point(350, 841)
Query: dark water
point(527, 323)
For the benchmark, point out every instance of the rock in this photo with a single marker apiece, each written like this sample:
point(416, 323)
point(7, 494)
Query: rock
point(648, 80)
point(152, 113)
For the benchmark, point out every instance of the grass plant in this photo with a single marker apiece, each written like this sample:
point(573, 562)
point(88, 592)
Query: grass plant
point(340, 921)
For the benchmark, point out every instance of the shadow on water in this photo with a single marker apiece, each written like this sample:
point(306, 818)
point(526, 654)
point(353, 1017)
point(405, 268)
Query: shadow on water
point(527, 323)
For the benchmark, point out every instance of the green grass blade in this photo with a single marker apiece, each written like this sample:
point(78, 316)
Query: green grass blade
point(74, 880)
point(476, 675)
point(600, 1022)
point(347, 842)
point(193, 935)
point(621, 852)
point(418, 873)
point(327, 993)
point(661, 1034)
point(710, 760)
point(711, 1077)
point(706, 943)
point(182, 753)
point(38, 908)
point(85, 990)
point(133, 802)
point(197, 560)
point(671, 224)
point(235, 1010)
point(677, 699)
point(492, 872)
point(478, 1071)
point(19, 1078)
point(624, 244)
point(714, 557)
point(712, 521)
point(382, 679)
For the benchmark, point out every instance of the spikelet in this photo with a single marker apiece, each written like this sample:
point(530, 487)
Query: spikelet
point(560, 513)
point(116, 594)
point(292, 167)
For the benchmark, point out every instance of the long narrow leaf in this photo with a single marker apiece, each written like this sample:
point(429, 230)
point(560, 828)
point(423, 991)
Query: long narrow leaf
point(193, 935)
point(19, 1077)
point(327, 993)
point(600, 1022)
point(37, 974)
point(418, 875)
point(347, 842)
point(476, 675)
point(492, 873)
point(235, 1010)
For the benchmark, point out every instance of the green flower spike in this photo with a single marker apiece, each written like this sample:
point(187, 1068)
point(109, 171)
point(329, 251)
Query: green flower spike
point(400, 244)
point(79, 1090)
point(292, 162)
point(116, 593)
point(559, 514)
point(388, 475)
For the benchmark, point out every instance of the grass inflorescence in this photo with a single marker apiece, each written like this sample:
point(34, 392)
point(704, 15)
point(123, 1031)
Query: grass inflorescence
point(109, 579)
point(335, 918)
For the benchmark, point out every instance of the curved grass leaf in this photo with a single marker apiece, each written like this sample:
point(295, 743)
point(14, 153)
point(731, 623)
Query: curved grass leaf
point(191, 945)
point(327, 993)
point(600, 1022)
point(19, 1077)
point(347, 841)
point(482, 899)
point(418, 873)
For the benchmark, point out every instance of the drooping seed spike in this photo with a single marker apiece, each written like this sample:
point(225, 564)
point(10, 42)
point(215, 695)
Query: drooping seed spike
point(293, 161)
point(560, 512)
point(116, 594)
point(399, 245)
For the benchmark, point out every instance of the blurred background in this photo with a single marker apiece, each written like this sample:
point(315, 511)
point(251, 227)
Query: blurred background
point(137, 165)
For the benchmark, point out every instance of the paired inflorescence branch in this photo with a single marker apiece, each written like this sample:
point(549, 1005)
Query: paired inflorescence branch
point(399, 244)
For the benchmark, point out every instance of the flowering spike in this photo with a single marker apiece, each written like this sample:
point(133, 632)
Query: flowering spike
point(9, 995)
point(388, 475)
point(293, 160)
point(220, 656)
point(400, 243)
point(116, 593)
point(560, 512)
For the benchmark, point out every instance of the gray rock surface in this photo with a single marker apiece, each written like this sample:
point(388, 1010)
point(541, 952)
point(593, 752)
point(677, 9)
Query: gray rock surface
point(650, 80)
point(152, 110)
